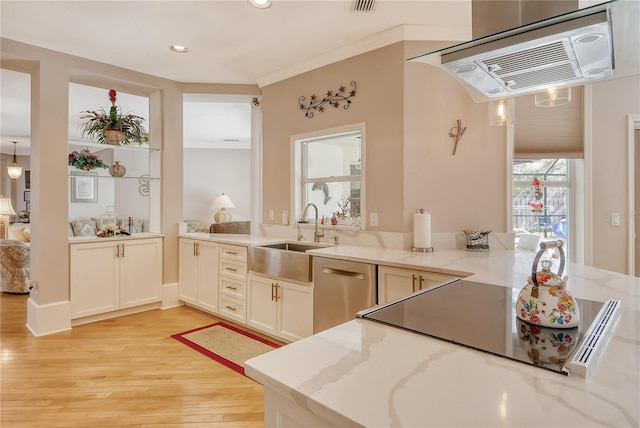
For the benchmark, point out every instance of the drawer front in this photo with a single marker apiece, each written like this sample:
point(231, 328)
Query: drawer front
point(234, 270)
point(429, 279)
point(233, 309)
point(233, 288)
point(233, 252)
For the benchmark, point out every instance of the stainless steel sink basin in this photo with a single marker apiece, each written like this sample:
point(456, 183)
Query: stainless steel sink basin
point(287, 260)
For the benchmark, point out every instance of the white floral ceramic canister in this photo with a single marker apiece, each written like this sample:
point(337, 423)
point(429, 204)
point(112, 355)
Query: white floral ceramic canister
point(545, 300)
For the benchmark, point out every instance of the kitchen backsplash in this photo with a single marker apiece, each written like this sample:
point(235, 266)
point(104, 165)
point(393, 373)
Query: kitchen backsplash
point(391, 240)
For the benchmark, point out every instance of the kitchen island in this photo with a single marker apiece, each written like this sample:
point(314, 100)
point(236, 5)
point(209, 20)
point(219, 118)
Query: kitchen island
point(363, 373)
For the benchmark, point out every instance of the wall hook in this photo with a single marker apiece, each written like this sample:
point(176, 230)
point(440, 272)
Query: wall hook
point(459, 131)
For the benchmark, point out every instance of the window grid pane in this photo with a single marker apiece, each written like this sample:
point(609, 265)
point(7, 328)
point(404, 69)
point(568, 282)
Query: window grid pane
point(331, 176)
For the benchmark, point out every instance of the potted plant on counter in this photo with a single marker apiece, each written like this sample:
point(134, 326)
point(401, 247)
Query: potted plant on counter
point(113, 127)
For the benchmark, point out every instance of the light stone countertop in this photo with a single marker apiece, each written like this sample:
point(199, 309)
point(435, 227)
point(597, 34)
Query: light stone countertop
point(93, 238)
point(363, 373)
point(245, 240)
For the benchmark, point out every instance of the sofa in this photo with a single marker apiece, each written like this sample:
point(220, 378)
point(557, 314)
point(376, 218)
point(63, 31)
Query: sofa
point(15, 259)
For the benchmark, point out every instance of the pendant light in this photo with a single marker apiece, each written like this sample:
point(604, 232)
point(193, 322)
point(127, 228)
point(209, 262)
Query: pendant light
point(498, 113)
point(553, 97)
point(14, 170)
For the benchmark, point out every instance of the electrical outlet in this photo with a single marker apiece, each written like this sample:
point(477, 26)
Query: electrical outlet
point(271, 215)
point(285, 217)
point(373, 220)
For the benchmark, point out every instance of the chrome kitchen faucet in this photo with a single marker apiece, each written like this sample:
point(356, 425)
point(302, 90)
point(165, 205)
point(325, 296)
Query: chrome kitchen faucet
point(303, 219)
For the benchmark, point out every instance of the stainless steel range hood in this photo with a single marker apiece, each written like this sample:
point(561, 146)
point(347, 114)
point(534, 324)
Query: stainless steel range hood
point(567, 50)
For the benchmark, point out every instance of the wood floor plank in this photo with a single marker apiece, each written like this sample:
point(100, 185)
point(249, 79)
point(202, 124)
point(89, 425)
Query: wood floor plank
point(123, 372)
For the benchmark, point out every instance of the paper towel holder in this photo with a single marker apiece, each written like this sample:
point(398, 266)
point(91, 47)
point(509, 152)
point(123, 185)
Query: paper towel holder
point(422, 249)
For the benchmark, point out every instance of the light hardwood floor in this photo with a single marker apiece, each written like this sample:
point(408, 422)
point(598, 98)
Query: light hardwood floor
point(124, 372)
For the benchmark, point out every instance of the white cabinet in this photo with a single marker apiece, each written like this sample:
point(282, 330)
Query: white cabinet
point(233, 282)
point(395, 283)
point(198, 274)
point(114, 274)
point(280, 308)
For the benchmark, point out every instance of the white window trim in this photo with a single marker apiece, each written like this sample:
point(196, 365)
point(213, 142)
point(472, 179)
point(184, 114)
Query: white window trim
point(295, 157)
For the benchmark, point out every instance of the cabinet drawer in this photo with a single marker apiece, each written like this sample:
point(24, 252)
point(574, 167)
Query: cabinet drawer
point(234, 270)
point(233, 288)
point(429, 279)
point(233, 309)
point(233, 252)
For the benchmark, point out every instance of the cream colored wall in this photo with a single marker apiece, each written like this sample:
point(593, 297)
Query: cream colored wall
point(613, 101)
point(378, 103)
point(51, 73)
point(408, 110)
point(465, 191)
point(636, 210)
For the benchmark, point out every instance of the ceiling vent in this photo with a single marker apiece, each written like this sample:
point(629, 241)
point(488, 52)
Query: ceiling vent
point(567, 50)
point(363, 5)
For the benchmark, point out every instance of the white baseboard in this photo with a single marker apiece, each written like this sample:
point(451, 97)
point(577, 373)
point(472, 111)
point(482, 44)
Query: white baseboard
point(115, 314)
point(170, 296)
point(49, 318)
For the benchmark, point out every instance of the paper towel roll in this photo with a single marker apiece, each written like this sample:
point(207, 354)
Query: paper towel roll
point(422, 230)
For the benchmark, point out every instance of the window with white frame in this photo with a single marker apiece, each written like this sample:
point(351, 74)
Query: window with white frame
point(553, 219)
point(330, 175)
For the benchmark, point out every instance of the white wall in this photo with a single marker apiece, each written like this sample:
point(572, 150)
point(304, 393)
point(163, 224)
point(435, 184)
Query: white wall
point(210, 172)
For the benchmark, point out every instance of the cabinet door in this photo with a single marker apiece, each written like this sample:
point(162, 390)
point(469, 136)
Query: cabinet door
point(261, 304)
point(94, 284)
point(140, 272)
point(295, 311)
point(188, 271)
point(395, 283)
point(207, 293)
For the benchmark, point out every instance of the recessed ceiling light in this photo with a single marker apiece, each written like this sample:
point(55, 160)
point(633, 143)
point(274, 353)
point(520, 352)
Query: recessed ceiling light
point(590, 38)
point(179, 49)
point(465, 68)
point(260, 4)
point(596, 71)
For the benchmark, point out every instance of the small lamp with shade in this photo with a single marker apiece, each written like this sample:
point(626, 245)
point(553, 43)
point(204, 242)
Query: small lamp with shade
point(6, 209)
point(223, 202)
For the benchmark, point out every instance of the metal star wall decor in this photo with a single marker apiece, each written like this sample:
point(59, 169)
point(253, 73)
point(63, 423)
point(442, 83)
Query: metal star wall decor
point(333, 98)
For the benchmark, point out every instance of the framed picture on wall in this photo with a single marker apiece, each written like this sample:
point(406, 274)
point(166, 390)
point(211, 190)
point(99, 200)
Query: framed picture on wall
point(27, 195)
point(27, 179)
point(84, 187)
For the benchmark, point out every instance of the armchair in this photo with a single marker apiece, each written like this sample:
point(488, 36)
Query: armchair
point(15, 266)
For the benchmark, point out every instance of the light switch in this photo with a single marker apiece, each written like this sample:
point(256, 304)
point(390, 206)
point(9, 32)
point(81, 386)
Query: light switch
point(615, 219)
point(271, 215)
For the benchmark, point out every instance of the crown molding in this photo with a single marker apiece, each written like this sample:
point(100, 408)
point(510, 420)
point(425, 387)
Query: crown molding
point(388, 37)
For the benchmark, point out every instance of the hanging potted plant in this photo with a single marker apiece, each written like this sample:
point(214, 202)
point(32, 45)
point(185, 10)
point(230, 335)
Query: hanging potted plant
point(113, 127)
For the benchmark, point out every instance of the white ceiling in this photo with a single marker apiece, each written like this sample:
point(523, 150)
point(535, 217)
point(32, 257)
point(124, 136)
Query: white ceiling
point(228, 41)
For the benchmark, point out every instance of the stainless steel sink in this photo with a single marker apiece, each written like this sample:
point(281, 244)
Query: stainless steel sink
point(287, 260)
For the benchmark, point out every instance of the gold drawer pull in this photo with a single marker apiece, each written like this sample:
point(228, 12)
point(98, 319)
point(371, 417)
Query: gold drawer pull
point(231, 269)
point(231, 308)
point(233, 253)
point(230, 287)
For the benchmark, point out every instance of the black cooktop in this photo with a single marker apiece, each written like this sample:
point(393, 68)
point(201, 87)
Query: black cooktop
point(482, 316)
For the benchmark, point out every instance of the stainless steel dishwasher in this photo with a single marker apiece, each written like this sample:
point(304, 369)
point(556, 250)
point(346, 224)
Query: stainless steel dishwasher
point(340, 289)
